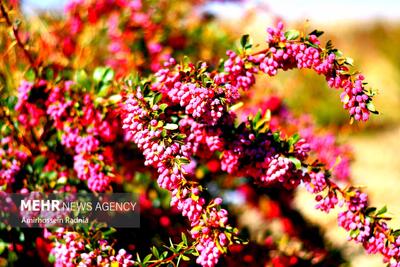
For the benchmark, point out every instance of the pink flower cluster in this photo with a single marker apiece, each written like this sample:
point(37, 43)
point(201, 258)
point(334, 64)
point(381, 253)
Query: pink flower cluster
point(66, 253)
point(84, 131)
point(354, 98)
point(259, 157)
point(278, 168)
point(92, 169)
point(165, 154)
point(29, 113)
point(197, 100)
point(186, 203)
point(70, 250)
point(317, 182)
point(237, 75)
point(284, 53)
point(12, 158)
point(328, 202)
point(352, 220)
point(321, 145)
point(365, 226)
point(209, 252)
point(243, 153)
point(137, 122)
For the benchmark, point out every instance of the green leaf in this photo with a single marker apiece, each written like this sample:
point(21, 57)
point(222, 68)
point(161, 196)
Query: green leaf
point(294, 139)
point(245, 41)
point(181, 136)
point(39, 163)
point(329, 46)
point(396, 233)
point(262, 122)
point(174, 118)
point(138, 258)
point(184, 160)
point(104, 90)
point(155, 252)
point(109, 232)
point(11, 102)
point(338, 53)
point(99, 73)
point(236, 106)
point(51, 258)
point(195, 197)
point(185, 258)
point(382, 211)
point(29, 168)
point(2, 246)
point(220, 248)
point(171, 243)
point(354, 233)
point(171, 126)
point(108, 75)
point(49, 74)
point(164, 133)
point(52, 175)
point(371, 107)
point(157, 98)
point(256, 119)
point(184, 239)
point(349, 61)
point(115, 98)
point(147, 258)
point(370, 210)
point(82, 79)
point(30, 75)
point(163, 106)
point(317, 33)
point(186, 60)
point(179, 247)
point(296, 162)
point(195, 253)
point(292, 34)
point(276, 136)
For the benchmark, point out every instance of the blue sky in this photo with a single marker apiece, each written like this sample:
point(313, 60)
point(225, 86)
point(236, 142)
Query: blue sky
point(30, 5)
point(316, 10)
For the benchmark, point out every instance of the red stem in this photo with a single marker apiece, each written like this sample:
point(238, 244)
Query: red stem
point(173, 256)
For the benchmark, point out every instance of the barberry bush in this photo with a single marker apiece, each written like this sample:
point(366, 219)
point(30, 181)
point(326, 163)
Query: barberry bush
point(150, 97)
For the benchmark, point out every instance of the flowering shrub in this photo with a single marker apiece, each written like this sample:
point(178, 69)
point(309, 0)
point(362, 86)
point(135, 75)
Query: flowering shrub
point(178, 133)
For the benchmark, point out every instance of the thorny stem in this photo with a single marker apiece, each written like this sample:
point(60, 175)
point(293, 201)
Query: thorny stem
point(16, 35)
point(257, 53)
point(173, 256)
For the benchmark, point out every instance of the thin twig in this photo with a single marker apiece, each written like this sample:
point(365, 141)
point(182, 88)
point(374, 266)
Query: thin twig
point(256, 53)
point(169, 259)
point(16, 35)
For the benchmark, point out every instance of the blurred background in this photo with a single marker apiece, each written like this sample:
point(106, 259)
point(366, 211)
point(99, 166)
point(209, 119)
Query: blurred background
point(369, 32)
